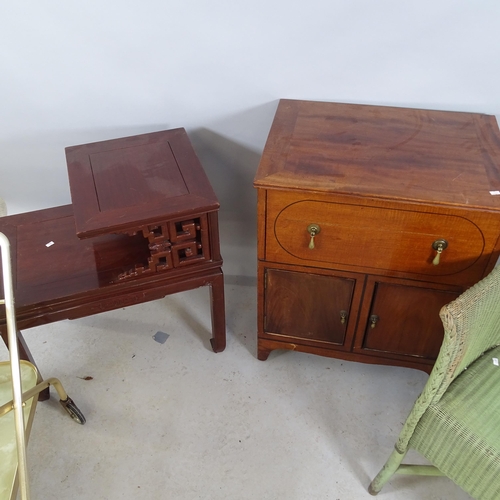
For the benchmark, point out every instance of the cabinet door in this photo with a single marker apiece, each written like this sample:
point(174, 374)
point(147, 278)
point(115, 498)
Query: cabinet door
point(404, 320)
point(308, 306)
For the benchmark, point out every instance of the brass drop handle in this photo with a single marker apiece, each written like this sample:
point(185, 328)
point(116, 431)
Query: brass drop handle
point(343, 317)
point(373, 320)
point(439, 246)
point(313, 230)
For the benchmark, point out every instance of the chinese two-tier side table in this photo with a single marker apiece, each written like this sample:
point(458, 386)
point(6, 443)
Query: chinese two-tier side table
point(143, 224)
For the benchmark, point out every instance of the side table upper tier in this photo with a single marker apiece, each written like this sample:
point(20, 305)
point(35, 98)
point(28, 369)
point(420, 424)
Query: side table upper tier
point(119, 185)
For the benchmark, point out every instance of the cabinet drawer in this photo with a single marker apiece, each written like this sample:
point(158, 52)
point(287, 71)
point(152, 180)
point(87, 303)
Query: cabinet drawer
point(384, 239)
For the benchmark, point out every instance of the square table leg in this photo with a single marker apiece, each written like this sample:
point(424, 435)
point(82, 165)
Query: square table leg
point(218, 339)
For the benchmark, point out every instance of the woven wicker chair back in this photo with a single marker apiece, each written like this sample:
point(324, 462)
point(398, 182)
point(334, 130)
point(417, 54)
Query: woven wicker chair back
point(471, 327)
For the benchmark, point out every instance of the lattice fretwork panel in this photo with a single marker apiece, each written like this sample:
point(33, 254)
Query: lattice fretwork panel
point(173, 244)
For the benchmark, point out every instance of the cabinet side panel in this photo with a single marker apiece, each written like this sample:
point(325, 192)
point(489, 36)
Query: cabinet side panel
point(261, 223)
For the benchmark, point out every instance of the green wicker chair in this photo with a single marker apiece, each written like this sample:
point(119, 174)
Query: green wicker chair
point(455, 422)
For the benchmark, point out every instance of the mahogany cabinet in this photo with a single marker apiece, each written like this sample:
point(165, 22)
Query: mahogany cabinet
point(370, 219)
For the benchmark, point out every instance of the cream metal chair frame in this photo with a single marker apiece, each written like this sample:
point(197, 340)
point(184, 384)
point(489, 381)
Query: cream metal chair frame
point(23, 376)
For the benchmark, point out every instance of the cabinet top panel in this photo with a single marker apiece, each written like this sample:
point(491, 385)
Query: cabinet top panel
point(384, 152)
point(119, 184)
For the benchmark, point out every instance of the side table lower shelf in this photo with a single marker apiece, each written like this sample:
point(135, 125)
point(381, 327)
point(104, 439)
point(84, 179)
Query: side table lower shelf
point(73, 278)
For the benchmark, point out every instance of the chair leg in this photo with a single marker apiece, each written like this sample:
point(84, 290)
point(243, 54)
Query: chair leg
point(66, 402)
point(387, 471)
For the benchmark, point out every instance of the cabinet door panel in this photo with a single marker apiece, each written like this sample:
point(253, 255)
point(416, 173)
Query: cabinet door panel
point(307, 306)
point(407, 320)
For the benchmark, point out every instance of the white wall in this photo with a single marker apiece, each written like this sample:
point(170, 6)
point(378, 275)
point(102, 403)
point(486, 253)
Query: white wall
point(74, 72)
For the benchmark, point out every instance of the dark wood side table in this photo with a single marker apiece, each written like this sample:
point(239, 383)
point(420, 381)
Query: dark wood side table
point(372, 218)
point(143, 224)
